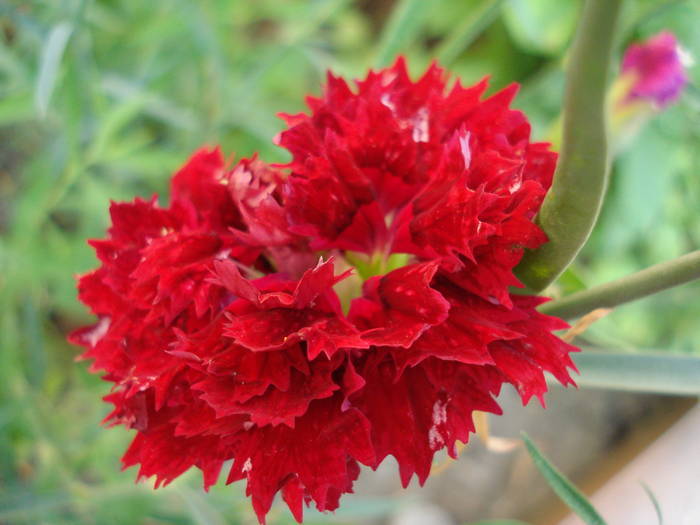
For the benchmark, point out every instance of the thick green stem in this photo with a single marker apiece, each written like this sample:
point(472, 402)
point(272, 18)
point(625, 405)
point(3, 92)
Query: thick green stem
point(630, 288)
point(572, 205)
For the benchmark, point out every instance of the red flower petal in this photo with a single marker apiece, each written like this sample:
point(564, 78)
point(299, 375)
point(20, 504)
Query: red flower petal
point(400, 306)
point(318, 455)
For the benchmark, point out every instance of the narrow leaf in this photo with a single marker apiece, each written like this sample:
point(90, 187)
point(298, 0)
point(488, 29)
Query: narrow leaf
point(662, 374)
point(51, 56)
point(401, 29)
point(569, 494)
point(654, 502)
point(155, 106)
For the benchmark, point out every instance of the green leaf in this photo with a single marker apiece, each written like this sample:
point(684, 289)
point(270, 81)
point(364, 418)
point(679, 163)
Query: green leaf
point(155, 106)
point(402, 28)
point(571, 282)
point(662, 374)
point(569, 494)
point(15, 108)
point(51, 56)
point(641, 182)
point(541, 26)
point(466, 32)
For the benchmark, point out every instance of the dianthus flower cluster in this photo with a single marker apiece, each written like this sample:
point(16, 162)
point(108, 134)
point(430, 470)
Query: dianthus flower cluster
point(306, 319)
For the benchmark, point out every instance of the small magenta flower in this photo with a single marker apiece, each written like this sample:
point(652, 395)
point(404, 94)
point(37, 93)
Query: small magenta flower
point(652, 77)
point(656, 70)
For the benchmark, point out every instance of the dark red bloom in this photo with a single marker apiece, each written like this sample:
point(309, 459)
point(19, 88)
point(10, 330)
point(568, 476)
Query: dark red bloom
point(354, 304)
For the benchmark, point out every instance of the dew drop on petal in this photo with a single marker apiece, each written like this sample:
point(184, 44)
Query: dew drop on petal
point(435, 438)
point(515, 186)
point(439, 412)
point(421, 132)
point(93, 336)
point(466, 150)
point(386, 101)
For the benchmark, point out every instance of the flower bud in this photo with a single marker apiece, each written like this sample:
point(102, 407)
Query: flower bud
point(652, 76)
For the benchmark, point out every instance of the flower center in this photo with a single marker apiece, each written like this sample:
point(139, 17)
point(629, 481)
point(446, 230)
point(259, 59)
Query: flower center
point(379, 263)
point(365, 266)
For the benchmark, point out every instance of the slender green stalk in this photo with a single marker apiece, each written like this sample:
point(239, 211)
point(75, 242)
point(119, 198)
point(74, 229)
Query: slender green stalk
point(626, 289)
point(572, 205)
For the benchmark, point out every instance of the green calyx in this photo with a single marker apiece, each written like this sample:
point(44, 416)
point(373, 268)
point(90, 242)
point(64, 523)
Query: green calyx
point(378, 263)
point(365, 266)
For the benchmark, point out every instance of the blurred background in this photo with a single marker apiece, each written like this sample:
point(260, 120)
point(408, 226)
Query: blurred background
point(104, 99)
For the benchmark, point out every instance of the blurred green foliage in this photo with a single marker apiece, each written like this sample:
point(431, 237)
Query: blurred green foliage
point(103, 99)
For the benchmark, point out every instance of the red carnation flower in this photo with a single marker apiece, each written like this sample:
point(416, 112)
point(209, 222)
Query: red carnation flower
point(354, 304)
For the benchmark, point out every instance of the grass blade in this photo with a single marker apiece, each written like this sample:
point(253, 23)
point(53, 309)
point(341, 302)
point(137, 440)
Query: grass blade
point(662, 374)
point(654, 502)
point(405, 23)
point(466, 32)
point(569, 494)
point(51, 56)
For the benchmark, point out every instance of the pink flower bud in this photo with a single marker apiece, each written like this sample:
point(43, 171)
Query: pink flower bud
point(657, 70)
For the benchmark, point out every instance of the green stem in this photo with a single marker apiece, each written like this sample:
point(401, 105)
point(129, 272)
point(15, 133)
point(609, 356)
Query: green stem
point(630, 288)
point(572, 205)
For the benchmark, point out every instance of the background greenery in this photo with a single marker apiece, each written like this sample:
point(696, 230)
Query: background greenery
point(103, 99)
